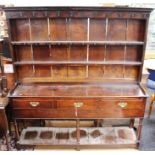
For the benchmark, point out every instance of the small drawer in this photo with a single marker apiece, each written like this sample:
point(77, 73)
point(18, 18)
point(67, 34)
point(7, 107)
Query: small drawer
point(32, 104)
point(123, 104)
point(82, 104)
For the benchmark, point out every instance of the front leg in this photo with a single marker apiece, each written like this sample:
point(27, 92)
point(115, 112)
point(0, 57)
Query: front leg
point(16, 129)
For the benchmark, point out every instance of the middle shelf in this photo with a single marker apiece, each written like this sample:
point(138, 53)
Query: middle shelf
point(135, 63)
point(77, 42)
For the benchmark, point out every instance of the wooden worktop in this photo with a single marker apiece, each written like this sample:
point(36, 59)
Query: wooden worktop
point(77, 90)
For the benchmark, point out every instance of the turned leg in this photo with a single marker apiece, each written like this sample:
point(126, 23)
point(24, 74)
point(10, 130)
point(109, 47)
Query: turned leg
point(97, 123)
point(139, 130)
point(78, 134)
point(7, 142)
point(16, 129)
point(24, 124)
point(9, 128)
point(152, 99)
point(78, 131)
point(42, 123)
point(132, 123)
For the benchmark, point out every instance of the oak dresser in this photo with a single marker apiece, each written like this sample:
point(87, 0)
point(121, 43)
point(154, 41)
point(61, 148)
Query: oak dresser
point(78, 63)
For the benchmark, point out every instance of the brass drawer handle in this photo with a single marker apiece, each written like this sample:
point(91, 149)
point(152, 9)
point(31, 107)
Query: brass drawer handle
point(122, 104)
point(34, 104)
point(78, 104)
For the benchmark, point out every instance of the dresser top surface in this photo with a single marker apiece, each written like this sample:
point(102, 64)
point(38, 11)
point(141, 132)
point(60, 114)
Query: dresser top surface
point(78, 90)
point(76, 8)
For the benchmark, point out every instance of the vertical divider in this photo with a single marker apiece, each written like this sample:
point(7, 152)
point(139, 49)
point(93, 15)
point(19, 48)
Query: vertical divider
point(48, 28)
point(68, 39)
point(50, 48)
point(49, 35)
point(78, 130)
point(68, 53)
point(87, 67)
point(124, 61)
point(125, 48)
point(106, 36)
point(32, 53)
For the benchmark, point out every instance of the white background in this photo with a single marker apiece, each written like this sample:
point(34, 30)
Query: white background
point(71, 2)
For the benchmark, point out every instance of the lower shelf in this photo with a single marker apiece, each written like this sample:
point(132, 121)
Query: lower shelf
point(67, 136)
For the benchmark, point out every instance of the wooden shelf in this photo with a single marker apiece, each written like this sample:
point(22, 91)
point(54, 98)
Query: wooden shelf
point(77, 42)
point(78, 63)
point(67, 136)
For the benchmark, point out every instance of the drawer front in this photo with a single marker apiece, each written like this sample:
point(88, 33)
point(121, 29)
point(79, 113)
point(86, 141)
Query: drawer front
point(43, 113)
point(32, 104)
point(121, 104)
point(81, 103)
point(119, 108)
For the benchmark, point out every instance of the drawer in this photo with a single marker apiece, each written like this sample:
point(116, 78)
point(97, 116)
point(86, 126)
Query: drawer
point(32, 104)
point(43, 113)
point(103, 113)
point(119, 108)
point(121, 104)
point(82, 104)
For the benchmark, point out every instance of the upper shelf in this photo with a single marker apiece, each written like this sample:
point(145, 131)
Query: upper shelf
point(77, 42)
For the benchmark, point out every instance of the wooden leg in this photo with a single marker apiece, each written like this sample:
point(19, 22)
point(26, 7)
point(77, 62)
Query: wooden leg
point(97, 123)
point(132, 123)
point(42, 123)
point(139, 129)
point(16, 130)
point(9, 128)
point(24, 124)
point(78, 130)
point(152, 99)
point(7, 142)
